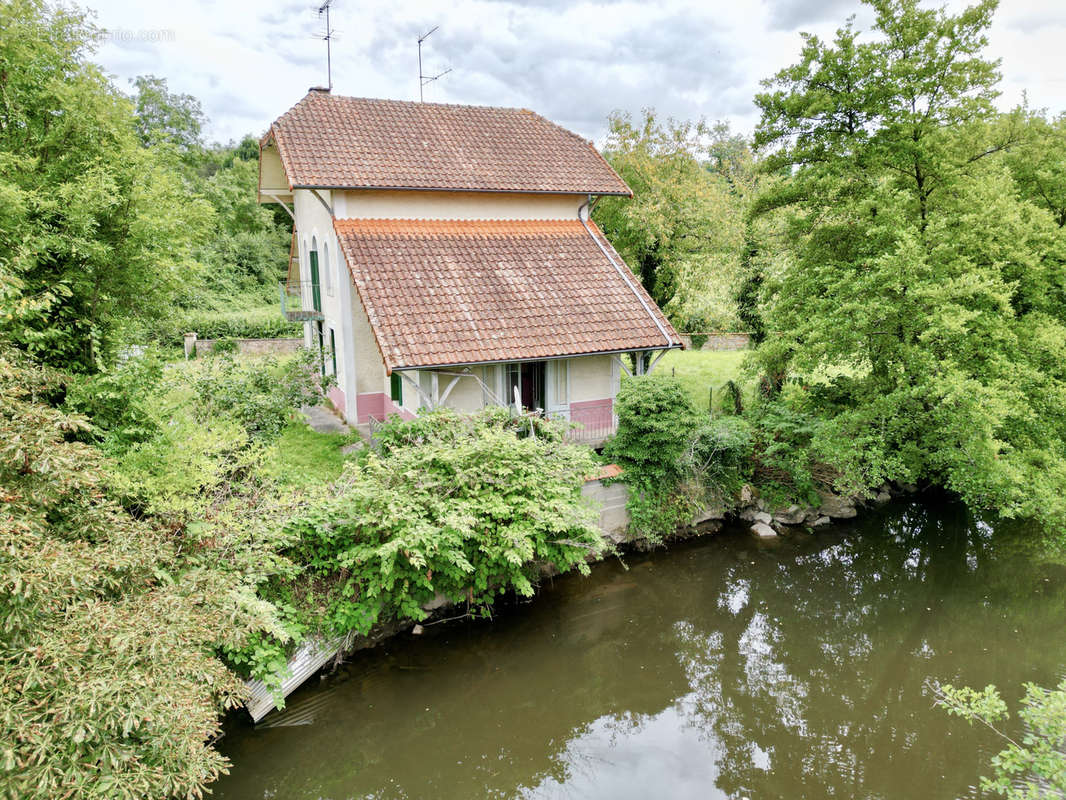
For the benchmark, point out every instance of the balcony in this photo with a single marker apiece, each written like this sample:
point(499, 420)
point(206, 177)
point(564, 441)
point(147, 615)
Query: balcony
point(301, 301)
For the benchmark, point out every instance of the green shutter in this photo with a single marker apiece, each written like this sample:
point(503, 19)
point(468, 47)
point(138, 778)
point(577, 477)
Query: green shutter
point(333, 351)
point(396, 388)
point(316, 290)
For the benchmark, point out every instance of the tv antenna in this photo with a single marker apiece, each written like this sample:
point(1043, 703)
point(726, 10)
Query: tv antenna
point(328, 35)
point(422, 78)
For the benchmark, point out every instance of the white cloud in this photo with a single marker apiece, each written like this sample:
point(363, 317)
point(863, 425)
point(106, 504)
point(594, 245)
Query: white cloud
point(572, 61)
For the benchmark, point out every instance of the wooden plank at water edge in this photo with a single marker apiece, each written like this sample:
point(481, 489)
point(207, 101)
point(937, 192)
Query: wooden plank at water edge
point(305, 662)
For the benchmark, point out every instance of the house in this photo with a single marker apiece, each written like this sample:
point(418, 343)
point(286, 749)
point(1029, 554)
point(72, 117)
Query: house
point(443, 255)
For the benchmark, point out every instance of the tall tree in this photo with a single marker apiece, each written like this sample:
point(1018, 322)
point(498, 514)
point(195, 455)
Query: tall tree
point(915, 271)
point(682, 230)
point(96, 232)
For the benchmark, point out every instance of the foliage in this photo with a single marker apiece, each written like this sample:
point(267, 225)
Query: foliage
point(655, 424)
point(921, 304)
point(262, 322)
point(682, 229)
point(97, 233)
point(110, 622)
point(450, 503)
point(212, 420)
point(165, 117)
point(1035, 766)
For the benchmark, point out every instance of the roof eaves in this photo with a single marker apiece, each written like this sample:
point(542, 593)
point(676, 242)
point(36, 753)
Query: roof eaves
point(578, 354)
point(385, 188)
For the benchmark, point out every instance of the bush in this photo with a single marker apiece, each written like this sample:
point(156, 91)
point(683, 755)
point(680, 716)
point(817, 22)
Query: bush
point(720, 457)
point(450, 503)
point(110, 683)
point(656, 424)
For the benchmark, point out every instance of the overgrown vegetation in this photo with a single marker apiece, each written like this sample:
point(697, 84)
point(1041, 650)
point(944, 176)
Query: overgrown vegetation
point(675, 459)
point(466, 507)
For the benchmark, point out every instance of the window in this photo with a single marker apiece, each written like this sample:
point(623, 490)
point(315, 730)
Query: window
point(396, 388)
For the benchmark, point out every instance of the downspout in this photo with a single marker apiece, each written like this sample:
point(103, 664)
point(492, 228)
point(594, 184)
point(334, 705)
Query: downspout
point(621, 272)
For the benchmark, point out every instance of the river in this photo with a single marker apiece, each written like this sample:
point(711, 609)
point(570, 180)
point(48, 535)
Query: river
point(724, 667)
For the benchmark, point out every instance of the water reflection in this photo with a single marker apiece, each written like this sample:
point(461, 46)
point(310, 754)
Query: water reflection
point(725, 668)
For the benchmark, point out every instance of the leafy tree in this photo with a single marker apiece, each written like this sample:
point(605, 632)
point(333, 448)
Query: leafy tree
point(916, 278)
point(165, 117)
point(1039, 167)
point(1035, 766)
point(682, 230)
point(97, 233)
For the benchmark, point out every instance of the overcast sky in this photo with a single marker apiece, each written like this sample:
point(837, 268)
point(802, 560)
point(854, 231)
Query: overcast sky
point(572, 61)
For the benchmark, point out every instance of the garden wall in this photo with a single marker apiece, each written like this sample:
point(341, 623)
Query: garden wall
point(721, 340)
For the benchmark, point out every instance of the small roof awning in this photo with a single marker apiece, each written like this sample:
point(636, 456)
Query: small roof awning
point(449, 292)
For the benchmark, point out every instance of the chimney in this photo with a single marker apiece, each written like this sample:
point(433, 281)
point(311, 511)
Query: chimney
point(323, 89)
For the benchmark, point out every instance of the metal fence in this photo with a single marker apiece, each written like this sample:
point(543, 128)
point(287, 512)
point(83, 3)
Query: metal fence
point(301, 301)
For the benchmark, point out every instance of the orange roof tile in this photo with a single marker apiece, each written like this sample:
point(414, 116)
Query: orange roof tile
point(447, 292)
point(328, 141)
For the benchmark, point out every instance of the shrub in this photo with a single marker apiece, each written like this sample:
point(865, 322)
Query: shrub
point(450, 503)
point(110, 683)
point(656, 424)
point(719, 458)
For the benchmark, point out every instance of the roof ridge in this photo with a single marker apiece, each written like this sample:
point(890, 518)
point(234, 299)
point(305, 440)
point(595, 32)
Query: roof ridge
point(326, 96)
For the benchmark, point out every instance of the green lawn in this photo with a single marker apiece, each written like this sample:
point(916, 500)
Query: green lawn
point(700, 370)
point(304, 457)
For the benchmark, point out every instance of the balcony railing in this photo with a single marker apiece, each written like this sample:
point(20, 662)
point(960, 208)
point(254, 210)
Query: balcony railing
point(301, 301)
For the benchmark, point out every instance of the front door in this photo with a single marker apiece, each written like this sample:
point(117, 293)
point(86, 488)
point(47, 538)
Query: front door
point(532, 385)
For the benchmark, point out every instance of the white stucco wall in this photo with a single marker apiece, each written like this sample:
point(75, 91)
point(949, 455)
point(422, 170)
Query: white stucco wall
point(374, 204)
point(591, 378)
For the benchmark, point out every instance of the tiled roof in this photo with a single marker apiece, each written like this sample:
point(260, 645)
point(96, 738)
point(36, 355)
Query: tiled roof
point(327, 141)
point(445, 292)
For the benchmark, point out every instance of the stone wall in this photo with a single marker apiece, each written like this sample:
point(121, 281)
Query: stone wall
point(721, 340)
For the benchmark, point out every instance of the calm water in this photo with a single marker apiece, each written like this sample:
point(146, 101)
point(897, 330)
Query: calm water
point(720, 668)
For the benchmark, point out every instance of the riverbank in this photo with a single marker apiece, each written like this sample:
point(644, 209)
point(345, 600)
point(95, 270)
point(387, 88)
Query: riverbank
point(607, 487)
point(717, 667)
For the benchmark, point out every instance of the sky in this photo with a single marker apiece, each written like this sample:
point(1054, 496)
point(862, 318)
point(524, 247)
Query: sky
point(572, 61)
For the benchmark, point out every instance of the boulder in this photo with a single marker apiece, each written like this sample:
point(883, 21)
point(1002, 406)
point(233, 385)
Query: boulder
point(820, 522)
point(763, 517)
point(747, 495)
point(763, 531)
point(836, 506)
point(793, 515)
point(882, 497)
point(707, 514)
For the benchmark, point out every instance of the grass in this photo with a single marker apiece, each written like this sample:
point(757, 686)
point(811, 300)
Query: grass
point(700, 370)
point(303, 457)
